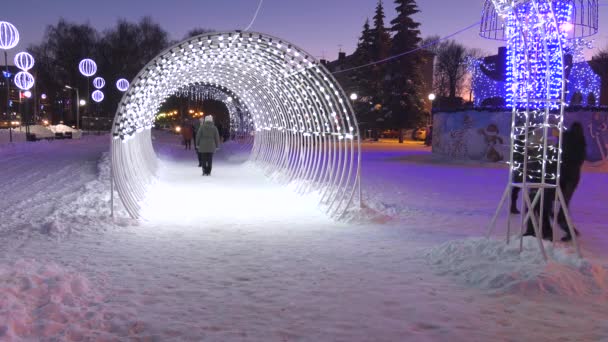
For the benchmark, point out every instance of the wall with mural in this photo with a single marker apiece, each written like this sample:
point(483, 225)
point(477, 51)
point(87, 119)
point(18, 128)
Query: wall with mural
point(484, 136)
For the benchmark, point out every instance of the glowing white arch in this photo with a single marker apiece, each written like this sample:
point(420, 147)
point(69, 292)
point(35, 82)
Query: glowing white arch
point(305, 128)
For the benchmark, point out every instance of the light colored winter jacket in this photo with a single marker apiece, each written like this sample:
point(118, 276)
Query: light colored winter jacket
point(207, 138)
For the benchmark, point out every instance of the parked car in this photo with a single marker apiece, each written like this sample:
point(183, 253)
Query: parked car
point(420, 134)
point(390, 134)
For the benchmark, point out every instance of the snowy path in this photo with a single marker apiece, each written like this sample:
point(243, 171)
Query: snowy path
point(237, 257)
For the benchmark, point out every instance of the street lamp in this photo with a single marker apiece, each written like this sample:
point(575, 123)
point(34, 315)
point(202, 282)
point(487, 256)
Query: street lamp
point(354, 96)
point(432, 98)
point(78, 104)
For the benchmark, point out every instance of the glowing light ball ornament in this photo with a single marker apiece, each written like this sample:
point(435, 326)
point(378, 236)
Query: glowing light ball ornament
point(27, 94)
point(24, 80)
point(24, 61)
point(87, 67)
point(122, 84)
point(99, 82)
point(97, 96)
point(9, 35)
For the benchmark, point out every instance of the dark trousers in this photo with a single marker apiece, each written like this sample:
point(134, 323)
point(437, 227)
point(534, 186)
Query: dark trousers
point(188, 144)
point(200, 158)
point(207, 162)
point(545, 225)
point(568, 185)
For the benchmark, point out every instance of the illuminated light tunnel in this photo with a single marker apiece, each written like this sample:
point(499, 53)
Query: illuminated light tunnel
point(304, 128)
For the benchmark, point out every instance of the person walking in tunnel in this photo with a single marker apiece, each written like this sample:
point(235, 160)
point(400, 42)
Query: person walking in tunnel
point(196, 126)
point(208, 141)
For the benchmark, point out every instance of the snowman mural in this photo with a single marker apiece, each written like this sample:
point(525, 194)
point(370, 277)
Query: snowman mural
point(492, 143)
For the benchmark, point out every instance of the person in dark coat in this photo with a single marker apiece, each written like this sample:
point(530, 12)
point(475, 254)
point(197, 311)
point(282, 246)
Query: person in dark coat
point(574, 153)
point(196, 125)
point(187, 135)
point(518, 157)
point(208, 141)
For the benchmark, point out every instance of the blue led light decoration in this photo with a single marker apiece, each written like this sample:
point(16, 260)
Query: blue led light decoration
point(537, 34)
point(584, 81)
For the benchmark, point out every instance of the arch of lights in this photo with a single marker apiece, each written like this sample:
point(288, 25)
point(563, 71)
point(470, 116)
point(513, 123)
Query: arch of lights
point(305, 128)
point(242, 128)
point(538, 33)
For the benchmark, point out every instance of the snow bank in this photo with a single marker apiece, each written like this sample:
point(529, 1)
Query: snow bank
point(90, 211)
point(493, 265)
point(76, 134)
point(5, 136)
point(40, 131)
point(47, 301)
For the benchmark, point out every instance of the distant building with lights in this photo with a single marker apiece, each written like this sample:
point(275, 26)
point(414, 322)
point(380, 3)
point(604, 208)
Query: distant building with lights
point(489, 76)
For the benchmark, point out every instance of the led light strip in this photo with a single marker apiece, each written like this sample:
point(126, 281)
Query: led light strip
point(304, 125)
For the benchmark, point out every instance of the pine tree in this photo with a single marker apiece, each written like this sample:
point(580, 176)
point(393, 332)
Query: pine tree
point(380, 49)
point(381, 36)
point(406, 78)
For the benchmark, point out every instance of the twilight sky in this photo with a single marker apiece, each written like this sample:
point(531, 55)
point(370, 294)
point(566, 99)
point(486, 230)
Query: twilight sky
point(318, 26)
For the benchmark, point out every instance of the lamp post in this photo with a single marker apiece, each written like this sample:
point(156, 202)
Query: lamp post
point(78, 104)
point(432, 98)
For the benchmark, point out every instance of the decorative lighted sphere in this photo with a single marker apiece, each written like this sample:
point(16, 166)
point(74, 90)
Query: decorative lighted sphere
point(122, 84)
point(99, 82)
point(87, 67)
point(24, 61)
point(24, 80)
point(354, 96)
point(97, 96)
point(9, 36)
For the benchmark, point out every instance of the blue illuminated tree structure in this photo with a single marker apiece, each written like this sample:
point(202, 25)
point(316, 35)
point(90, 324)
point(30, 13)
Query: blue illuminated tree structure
point(537, 34)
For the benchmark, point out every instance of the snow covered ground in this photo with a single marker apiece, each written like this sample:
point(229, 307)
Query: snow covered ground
point(236, 257)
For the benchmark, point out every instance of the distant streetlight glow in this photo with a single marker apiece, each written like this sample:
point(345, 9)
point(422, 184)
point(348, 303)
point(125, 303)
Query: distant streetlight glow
point(83, 102)
point(354, 96)
point(432, 97)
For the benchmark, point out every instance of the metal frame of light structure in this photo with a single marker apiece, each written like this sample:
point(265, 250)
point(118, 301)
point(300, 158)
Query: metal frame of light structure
point(305, 128)
point(534, 30)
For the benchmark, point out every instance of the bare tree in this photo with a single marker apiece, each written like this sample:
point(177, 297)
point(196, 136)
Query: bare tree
point(452, 76)
point(599, 64)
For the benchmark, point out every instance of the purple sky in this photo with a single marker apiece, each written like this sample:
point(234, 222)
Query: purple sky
point(318, 26)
